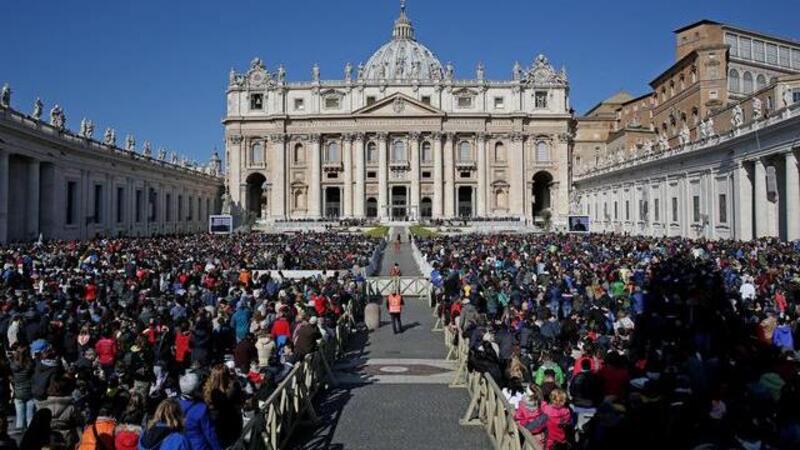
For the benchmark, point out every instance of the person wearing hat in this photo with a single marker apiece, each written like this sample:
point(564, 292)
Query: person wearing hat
point(199, 430)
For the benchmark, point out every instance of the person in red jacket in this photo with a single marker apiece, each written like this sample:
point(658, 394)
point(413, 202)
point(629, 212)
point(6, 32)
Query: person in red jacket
point(182, 343)
point(281, 330)
point(106, 349)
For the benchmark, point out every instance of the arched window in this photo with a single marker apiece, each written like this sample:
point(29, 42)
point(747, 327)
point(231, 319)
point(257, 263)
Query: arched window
point(299, 156)
point(332, 152)
point(499, 152)
point(464, 151)
point(398, 151)
point(372, 153)
point(542, 152)
point(695, 116)
point(733, 80)
point(257, 153)
point(671, 88)
point(683, 117)
point(747, 83)
point(694, 74)
point(682, 82)
point(427, 152)
point(761, 82)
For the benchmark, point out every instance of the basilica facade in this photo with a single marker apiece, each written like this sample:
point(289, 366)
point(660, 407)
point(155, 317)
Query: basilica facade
point(399, 138)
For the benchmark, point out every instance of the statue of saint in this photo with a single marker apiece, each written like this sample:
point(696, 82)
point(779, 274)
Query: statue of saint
point(110, 137)
point(684, 136)
point(227, 202)
point(348, 72)
point(130, 143)
point(360, 72)
point(315, 73)
point(37, 109)
point(57, 118)
point(281, 74)
point(5, 96)
point(449, 71)
point(737, 117)
point(757, 109)
point(480, 72)
point(162, 154)
point(147, 150)
point(517, 71)
point(89, 134)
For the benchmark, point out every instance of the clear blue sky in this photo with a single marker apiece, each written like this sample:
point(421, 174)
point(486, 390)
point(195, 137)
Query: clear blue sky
point(158, 69)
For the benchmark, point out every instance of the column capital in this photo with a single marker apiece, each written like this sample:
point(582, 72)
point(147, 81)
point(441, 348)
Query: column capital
point(235, 139)
point(437, 136)
point(482, 136)
point(278, 138)
point(382, 136)
point(348, 137)
point(449, 136)
point(517, 137)
point(360, 136)
point(414, 136)
point(314, 137)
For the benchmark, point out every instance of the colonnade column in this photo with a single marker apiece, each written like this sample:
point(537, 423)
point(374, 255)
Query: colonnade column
point(762, 228)
point(743, 203)
point(347, 161)
point(792, 197)
point(517, 179)
point(414, 158)
point(383, 177)
point(234, 149)
point(358, 197)
point(279, 169)
point(438, 190)
point(481, 174)
point(3, 196)
point(314, 200)
point(449, 176)
point(32, 207)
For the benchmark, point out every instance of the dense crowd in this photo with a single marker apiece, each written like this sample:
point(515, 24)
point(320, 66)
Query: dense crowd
point(160, 343)
point(607, 341)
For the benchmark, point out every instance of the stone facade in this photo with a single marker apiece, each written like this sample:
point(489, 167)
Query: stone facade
point(399, 138)
point(63, 185)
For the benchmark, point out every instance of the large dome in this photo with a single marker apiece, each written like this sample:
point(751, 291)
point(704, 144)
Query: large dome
point(403, 58)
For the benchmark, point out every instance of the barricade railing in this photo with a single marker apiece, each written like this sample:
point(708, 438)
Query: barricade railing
point(409, 286)
point(291, 402)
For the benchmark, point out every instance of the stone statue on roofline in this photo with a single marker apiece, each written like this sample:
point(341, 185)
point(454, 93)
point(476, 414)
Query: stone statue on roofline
point(737, 117)
point(757, 109)
point(5, 96)
point(37, 109)
point(130, 143)
point(110, 137)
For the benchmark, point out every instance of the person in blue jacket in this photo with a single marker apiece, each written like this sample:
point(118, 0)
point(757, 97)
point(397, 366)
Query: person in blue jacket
point(165, 429)
point(241, 321)
point(199, 430)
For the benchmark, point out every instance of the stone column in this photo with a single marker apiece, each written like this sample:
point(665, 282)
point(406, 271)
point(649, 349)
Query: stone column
point(278, 199)
point(347, 161)
point(481, 191)
point(762, 219)
point(414, 159)
point(743, 203)
point(438, 189)
point(516, 176)
point(314, 201)
point(383, 177)
point(449, 176)
point(792, 197)
point(3, 196)
point(32, 207)
point(234, 149)
point(358, 197)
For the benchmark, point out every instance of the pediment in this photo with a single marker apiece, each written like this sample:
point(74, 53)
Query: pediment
point(398, 105)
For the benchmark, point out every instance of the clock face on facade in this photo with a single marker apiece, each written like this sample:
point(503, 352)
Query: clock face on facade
point(256, 78)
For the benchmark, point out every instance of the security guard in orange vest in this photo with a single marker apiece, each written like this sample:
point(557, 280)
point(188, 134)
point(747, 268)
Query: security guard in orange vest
point(394, 303)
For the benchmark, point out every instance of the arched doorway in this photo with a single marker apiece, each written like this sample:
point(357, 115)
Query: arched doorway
point(333, 202)
point(541, 193)
point(426, 208)
point(465, 201)
point(399, 202)
point(255, 194)
point(372, 208)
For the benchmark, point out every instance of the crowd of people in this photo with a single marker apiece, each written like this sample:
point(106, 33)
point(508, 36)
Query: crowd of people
point(609, 341)
point(160, 343)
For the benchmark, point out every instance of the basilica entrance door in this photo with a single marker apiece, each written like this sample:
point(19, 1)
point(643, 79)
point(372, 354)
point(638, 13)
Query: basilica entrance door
point(399, 203)
point(333, 202)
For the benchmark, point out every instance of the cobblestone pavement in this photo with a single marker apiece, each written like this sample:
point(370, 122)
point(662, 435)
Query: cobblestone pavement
point(392, 391)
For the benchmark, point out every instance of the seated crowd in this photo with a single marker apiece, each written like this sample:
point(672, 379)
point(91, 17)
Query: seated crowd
point(608, 341)
point(160, 343)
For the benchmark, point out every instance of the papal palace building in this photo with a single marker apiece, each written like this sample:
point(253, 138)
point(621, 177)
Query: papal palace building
point(711, 151)
point(399, 137)
point(56, 183)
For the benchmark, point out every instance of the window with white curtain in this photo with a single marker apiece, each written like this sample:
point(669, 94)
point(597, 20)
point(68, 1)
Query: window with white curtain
point(745, 45)
point(542, 152)
point(733, 80)
point(257, 153)
point(399, 151)
point(332, 152)
point(499, 152)
point(758, 51)
point(464, 151)
point(427, 152)
point(730, 39)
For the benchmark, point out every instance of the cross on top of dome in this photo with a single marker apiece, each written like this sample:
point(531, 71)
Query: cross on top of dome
point(402, 26)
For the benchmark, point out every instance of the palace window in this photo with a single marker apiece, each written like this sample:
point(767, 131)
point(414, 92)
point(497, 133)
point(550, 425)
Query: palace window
point(332, 152)
point(733, 80)
point(542, 152)
point(299, 104)
point(299, 156)
point(427, 152)
point(772, 54)
point(98, 203)
point(72, 202)
point(372, 174)
point(758, 51)
point(332, 102)
point(120, 204)
point(426, 99)
point(464, 151)
point(465, 102)
point(796, 58)
point(168, 208)
point(745, 46)
point(372, 153)
point(256, 102)
point(370, 100)
point(783, 56)
point(540, 99)
point(139, 205)
point(426, 174)
point(696, 209)
point(656, 211)
point(747, 83)
point(499, 103)
point(257, 153)
point(627, 210)
point(499, 152)
point(675, 209)
point(730, 39)
point(616, 211)
point(761, 82)
point(723, 208)
point(399, 151)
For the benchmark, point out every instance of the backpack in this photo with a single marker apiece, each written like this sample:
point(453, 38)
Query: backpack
point(98, 436)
